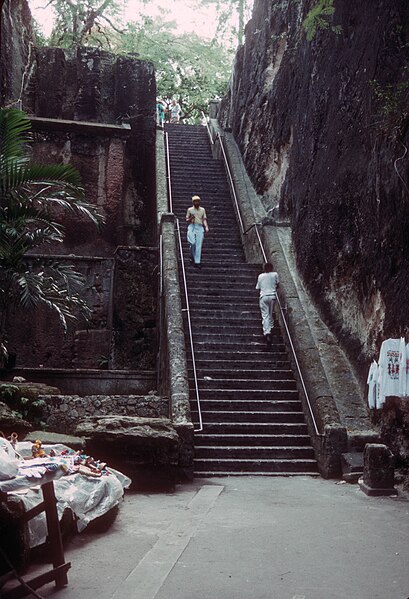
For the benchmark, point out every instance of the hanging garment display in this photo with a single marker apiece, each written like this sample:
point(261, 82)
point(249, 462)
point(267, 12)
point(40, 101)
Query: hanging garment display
point(373, 385)
point(391, 369)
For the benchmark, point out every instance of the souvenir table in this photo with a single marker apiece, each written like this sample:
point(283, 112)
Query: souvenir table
point(50, 479)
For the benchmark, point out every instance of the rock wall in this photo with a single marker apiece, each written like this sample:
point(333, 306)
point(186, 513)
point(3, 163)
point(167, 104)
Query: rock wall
point(16, 50)
point(61, 413)
point(323, 129)
point(96, 111)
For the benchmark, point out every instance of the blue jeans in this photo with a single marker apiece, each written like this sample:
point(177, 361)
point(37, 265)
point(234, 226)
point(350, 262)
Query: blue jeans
point(195, 234)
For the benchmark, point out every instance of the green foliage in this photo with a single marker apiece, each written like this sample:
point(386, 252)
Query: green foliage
point(27, 407)
point(83, 22)
point(392, 105)
point(319, 18)
point(30, 195)
point(241, 9)
point(188, 67)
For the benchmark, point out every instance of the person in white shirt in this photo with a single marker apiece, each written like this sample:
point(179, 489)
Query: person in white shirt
point(268, 284)
point(175, 112)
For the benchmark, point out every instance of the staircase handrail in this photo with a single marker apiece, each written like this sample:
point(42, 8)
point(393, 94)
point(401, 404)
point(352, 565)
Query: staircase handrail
point(168, 172)
point(185, 288)
point(232, 186)
point(287, 330)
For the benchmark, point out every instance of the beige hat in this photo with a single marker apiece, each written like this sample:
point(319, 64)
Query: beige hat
point(195, 199)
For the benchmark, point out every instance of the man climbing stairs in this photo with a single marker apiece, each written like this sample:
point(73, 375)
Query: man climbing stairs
point(252, 417)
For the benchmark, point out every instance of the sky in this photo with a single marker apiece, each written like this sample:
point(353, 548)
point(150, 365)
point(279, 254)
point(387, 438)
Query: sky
point(188, 19)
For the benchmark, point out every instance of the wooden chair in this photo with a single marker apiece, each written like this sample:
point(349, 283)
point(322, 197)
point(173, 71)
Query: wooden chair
point(59, 571)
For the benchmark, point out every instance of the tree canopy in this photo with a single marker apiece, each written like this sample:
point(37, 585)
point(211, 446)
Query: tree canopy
point(193, 69)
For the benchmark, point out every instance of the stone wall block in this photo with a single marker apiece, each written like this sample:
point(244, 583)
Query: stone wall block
point(378, 476)
point(88, 101)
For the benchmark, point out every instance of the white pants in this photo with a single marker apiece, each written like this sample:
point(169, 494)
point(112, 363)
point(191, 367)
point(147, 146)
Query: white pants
point(266, 308)
point(195, 234)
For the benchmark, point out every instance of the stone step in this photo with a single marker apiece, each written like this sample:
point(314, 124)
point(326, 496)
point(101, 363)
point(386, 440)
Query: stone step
point(255, 465)
point(207, 317)
point(252, 405)
point(222, 267)
point(214, 277)
point(246, 384)
point(254, 440)
point(231, 337)
point(204, 306)
point(255, 428)
point(212, 248)
point(239, 374)
point(229, 364)
point(249, 310)
point(264, 355)
point(233, 347)
point(238, 288)
point(248, 330)
point(248, 417)
point(239, 394)
point(254, 453)
point(210, 320)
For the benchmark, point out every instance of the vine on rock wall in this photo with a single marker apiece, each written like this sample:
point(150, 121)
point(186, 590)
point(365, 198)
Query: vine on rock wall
point(319, 17)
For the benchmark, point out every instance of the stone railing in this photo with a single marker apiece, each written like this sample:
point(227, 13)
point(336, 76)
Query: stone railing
point(172, 364)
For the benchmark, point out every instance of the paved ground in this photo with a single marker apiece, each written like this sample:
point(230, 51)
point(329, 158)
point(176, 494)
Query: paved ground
point(246, 538)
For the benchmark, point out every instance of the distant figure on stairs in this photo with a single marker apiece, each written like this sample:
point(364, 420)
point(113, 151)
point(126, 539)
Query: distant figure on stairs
point(197, 226)
point(267, 283)
point(160, 112)
point(175, 111)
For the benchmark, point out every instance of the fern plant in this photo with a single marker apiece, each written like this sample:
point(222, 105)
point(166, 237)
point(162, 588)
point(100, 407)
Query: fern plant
point(319, 18)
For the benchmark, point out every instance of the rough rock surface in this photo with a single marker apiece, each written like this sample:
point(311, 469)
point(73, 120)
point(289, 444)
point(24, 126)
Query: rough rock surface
point(318, 140)
point(323, 127)
point(394, 427)
point(9, 422)
point(131, 439)
point(62, 412)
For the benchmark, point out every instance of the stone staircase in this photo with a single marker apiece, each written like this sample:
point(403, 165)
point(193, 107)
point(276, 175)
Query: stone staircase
point(253, 421)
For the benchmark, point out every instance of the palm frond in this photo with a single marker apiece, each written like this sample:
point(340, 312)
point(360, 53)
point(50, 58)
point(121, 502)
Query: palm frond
point(14, 133)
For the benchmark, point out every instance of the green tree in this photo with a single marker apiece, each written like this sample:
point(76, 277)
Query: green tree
point(193, 69)
point(83, 22)
point(226, 9)
point(30, 195)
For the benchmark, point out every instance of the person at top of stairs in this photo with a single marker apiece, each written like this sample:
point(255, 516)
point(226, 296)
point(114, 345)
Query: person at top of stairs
point(197, 219)
point(267, 283)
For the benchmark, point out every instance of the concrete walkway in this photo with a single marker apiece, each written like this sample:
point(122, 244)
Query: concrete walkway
point(246, 538)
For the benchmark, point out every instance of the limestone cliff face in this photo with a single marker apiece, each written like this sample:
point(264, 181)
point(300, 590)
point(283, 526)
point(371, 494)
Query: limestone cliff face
point(323, 129)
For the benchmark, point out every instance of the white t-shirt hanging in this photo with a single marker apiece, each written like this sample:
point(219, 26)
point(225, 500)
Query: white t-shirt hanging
point(402, 368)
point(373, 385)
point(389, 369)
point(407, 370)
